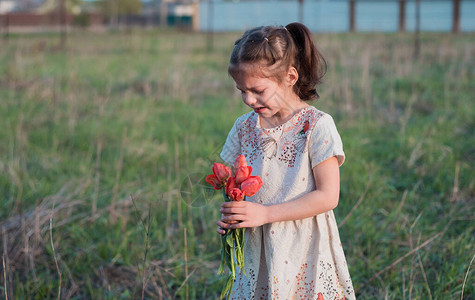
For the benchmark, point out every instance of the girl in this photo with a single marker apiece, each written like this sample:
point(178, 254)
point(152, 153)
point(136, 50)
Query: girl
point(293, 249)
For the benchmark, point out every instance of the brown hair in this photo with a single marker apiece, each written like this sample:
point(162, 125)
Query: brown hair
point(275, 49)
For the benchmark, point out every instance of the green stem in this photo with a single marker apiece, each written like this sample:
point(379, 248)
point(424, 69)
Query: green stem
point(224, 195)
point(233, 270)
point(223, 254)
point(231, 248)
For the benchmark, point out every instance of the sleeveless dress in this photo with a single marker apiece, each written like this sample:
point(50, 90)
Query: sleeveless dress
point(301, 259)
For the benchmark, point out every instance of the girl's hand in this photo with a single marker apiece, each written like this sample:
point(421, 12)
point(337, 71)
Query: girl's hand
point(222, 229)
point(247, 214)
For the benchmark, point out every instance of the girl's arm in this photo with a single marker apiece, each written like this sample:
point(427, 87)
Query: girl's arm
point(323, 199)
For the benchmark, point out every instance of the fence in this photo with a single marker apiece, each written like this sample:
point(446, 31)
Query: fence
point(340, 15)
point(318, 15)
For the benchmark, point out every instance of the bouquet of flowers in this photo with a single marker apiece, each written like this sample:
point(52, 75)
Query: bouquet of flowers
point(235, 188)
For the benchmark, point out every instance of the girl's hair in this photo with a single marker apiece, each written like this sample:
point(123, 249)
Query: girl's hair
point(275, 49)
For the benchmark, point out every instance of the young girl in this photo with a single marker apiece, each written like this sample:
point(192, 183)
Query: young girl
point(292, 249)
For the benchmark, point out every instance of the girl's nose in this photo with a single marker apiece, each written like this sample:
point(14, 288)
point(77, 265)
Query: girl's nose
point(248, 99)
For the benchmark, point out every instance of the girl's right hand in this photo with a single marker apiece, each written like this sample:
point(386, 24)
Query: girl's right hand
point(222, 226)
point(221, 231)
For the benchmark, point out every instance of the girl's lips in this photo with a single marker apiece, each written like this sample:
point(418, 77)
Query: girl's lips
point(259, 110)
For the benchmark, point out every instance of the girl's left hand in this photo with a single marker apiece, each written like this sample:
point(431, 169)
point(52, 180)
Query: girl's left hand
point(248, 214)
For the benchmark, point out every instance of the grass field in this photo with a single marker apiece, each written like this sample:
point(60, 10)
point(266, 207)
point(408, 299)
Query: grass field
point(104, 146)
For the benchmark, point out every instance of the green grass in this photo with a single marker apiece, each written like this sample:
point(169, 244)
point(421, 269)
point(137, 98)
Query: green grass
point(117, 126)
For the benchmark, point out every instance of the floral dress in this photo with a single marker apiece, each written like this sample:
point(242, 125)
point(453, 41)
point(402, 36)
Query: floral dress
point(301, 259)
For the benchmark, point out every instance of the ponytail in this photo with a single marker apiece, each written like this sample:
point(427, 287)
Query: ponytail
point(275, 49)
point(309, 62)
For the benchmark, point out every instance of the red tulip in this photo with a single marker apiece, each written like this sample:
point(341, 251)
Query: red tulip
point(221, 172)
point(230, 185)
point(243, 173)
point(251, 185)
point(236, 194)
point(211, 179)
point(240, 162)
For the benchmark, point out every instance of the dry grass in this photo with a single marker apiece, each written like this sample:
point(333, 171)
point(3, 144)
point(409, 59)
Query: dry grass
point(105, 146)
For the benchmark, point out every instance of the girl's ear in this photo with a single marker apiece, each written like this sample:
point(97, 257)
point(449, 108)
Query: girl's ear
point(292, 76)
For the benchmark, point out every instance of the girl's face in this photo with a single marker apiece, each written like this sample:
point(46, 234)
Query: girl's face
point(274, 101)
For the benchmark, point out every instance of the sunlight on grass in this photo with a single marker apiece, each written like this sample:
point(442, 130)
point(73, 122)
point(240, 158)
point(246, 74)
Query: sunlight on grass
point(122, 118)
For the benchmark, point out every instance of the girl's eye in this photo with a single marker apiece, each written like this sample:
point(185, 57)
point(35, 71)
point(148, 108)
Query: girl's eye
point(259, 92)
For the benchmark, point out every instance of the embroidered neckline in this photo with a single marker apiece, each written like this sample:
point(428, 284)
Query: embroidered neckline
point(286, 143)
point(276, 128)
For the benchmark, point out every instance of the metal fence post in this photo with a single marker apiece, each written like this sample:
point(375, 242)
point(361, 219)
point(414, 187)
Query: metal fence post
point(456, 16)
point(402, 15)
point(417, 38)
point(352, 15)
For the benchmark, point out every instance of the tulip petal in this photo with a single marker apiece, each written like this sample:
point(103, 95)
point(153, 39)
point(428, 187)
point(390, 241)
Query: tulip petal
point(213, 180)
point(243, 173)
point(251, 185)
point(231, 183)
point(236, 194)
point(240, 162)
point(221, 172)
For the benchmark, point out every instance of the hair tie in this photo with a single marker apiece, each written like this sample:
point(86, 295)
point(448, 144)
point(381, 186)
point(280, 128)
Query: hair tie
point(265, 38)
point(286, 29)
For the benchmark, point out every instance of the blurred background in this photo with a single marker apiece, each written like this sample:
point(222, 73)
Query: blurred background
point(112, 113)
point(221, 15)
